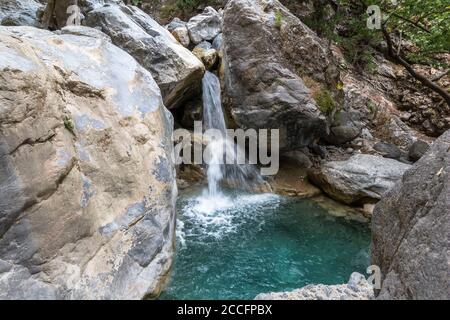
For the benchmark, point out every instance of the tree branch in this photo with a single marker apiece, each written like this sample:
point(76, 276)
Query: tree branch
point(421, 78)
point(417, 25)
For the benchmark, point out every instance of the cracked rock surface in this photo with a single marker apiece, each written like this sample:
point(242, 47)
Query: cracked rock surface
point(87, 181)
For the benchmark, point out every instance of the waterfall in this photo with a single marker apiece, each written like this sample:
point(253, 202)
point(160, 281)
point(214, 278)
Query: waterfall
point(221, 148)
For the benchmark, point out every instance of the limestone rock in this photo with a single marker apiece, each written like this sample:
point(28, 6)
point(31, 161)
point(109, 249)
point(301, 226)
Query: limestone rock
point(87, 181)
point(262, 80)
point(192, 111)
point(411, 230)
point(346, 127)
point(358, 180)
point(357, 289)
point(19, 12)
point(182, 36)
point(205, 26)
point(176, 70)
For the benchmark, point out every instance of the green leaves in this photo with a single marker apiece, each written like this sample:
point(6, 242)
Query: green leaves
point(425, 23)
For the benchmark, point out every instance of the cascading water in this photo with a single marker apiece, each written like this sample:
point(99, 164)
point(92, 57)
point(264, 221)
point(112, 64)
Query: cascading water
point(213, 118)
point(223, 152)
point(234, 245)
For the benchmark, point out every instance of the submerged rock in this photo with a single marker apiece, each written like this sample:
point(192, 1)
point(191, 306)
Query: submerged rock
point(87, 181)
point(360, 179)
point(356, 289)
point(411, 230)
point(205, 26)
point(19, 12)
point(176, 70)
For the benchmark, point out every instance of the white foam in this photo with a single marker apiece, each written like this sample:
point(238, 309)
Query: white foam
point(219, 215)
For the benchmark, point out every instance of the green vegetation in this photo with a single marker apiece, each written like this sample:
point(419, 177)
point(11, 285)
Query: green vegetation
point(415, 31)
point(278, 19)
point(325, 102)
point(68, 124)
point(185, 8)
point(425, 23)
point(136, 2)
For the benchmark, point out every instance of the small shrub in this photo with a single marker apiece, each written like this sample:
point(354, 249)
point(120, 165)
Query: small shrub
point(325, 102)
point(278, 19)
point(68, 124)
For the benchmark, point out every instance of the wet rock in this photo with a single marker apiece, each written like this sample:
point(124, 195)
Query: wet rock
point(176, 70)
point(417, 150)
point(411, 230)
point(218, 42)
point(356, 289)
point(358, 180)
point(175, 23)
point(19, 12)
point(205, 26)
point(87, 181)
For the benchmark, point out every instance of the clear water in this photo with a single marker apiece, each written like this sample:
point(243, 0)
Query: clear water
point(237, 246)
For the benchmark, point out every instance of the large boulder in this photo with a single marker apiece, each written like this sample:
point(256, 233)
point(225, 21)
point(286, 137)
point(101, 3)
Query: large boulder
point(87, 182)
point(19, 12)
point(411, 230)
point(205, 26)
point(356, 289)
point(267, 51)
point(176, 70)
point(361, 179)
point(179, 30)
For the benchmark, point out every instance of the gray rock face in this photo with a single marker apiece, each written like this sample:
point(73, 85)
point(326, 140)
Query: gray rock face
point(205, 26)
point(345, 128)
point(19, 12)
point(388, 150)
point(418, 150)
point(411, 230)
point(87, 182)
point(176, 70)
point(357, 289)
point(263, 84)
point(361, 179)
